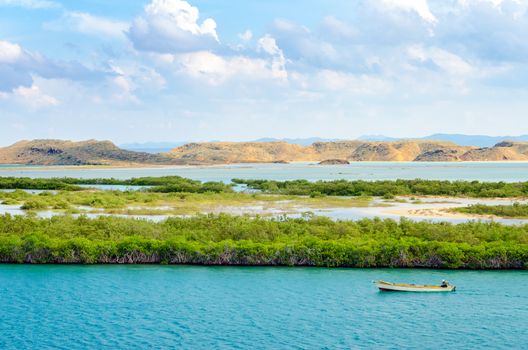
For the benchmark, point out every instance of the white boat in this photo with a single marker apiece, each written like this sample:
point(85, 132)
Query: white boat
point(405, 287)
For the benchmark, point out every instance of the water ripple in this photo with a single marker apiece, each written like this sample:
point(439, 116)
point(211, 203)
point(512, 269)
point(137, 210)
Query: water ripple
point(147, 307)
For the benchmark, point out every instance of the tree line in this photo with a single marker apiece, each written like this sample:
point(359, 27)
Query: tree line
point(232, 240)
point(162, 184)
point(389, 188)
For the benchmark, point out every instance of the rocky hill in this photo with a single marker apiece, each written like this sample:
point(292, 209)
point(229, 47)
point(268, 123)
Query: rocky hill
point(240, 152)
point(412, 150)
point(506, 150)
point(91, 152)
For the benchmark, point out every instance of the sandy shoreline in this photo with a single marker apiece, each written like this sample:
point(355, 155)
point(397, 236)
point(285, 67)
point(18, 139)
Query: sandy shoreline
point(435, 213)
point(438, 207)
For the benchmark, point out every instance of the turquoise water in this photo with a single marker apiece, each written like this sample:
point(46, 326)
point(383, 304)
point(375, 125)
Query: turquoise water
point(489, 171)
point(190, 307)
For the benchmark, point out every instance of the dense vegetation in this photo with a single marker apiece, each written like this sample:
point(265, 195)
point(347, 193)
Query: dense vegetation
point(515, 210)
point(387, 188)
point(244, 241)
point(390, 188)
point(156, 184)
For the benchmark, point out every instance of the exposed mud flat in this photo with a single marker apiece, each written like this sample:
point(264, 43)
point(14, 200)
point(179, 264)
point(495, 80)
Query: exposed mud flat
point(414, 208)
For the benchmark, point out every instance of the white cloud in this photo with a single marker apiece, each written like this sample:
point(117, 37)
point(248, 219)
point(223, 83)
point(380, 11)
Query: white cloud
point(320, 49)
point(268, 44)
point(278, 66)
point(172, 26)
point(86, 23)
point(215, 69)
point(246, 36)
point(496, 3)
point(447, 61)
point(439, 68)
point(30, 97)
point(133, 78)
point(421, 7)
point(18, 67)
point(9, 52)
point(124, 90)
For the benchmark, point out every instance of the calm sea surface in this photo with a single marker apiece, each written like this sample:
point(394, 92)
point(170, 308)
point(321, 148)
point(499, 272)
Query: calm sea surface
point(187, 307)
point(490, 171)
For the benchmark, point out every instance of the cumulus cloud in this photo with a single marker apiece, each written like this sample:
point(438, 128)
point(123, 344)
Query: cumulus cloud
point(246, 36)
point(216, 69)
point(87, 23)
point(420, 7)
point(445, 60)
point(17, 67)
point(9, 52)
point(489, 30)
point(377, 47)
point(30, 97)
point(302, 45)
point(129, 79)
point(172, 26)
point(34, 97)
point(278, 65)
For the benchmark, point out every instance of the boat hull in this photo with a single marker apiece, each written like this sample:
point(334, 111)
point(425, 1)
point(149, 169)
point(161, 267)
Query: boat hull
point(397, 287)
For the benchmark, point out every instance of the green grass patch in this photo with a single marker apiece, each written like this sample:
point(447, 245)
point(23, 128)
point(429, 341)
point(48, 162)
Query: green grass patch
point(175, 203)
point(515, 210)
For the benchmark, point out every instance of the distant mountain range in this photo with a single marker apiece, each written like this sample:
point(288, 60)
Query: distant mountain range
point(346, 151)
point(299, 141)
point(162, 147)
point(94, 152)
point(459, 139)
point(151, 147)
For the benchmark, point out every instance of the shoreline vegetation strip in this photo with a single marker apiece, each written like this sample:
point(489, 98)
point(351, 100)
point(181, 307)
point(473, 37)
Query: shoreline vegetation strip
point(380, 188)
point(390, 188)
point(515, 210)
point(235, 240)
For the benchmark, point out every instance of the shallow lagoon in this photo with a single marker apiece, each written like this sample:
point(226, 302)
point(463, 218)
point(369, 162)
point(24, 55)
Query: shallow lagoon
point(428, 209)
point(192, 307)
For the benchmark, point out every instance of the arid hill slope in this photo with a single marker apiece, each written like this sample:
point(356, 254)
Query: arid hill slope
point(240, 152)
point(91, 152)
point(419, 150)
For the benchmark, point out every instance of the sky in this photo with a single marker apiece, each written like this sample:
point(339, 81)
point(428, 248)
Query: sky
point(196, 70)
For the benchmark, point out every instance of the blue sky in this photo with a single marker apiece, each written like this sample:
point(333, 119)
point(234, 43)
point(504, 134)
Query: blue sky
point(175, 70)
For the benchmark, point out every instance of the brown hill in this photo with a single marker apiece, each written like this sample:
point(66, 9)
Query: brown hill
point(506, 150)
point(405, 151)
point(91, 152)
point(267, 152)
point(239, 152)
